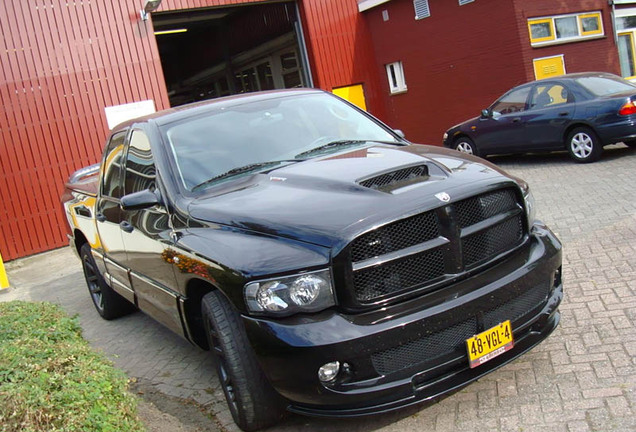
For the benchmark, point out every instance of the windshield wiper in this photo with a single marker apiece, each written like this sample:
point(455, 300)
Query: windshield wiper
point(331, 145)
point(240, 170)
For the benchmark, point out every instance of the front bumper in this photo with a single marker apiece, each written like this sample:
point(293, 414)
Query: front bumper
point(414, 351)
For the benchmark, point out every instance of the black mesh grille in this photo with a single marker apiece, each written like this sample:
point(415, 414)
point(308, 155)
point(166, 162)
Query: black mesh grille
point(395, 177)
point(473, 210)
point(426, 268)
point(399, 235)
point(399, 275)
point(425, 349)
point(451, 340)
point(518, 307)
point(492, 241)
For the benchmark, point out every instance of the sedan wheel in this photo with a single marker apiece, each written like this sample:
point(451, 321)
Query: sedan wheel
point(466, 145)
point(583, 145)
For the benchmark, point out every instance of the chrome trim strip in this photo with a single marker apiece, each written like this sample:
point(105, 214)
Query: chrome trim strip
point(153, 284)
point(114, 263)
point(121, 286)
point(402, 253)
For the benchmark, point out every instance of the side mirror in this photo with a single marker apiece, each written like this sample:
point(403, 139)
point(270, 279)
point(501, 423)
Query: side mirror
point(140, 200)
point(485, 113)
point(399, 133)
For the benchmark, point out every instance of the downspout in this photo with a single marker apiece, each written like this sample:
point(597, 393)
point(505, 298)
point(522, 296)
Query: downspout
point(613, 16)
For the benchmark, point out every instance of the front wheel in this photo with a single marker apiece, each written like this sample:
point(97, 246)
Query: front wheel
point(108, 303)
point(583, 145)
point(253, 402)
point(465, 145)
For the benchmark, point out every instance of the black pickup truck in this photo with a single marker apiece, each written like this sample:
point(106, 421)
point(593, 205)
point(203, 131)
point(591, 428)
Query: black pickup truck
point(330, 266)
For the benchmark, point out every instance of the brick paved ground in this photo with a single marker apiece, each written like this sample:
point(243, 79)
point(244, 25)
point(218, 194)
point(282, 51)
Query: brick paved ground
point(583, 378)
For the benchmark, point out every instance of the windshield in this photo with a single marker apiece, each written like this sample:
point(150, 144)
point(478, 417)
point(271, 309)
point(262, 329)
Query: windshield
point(278, 129)
point(604, 86)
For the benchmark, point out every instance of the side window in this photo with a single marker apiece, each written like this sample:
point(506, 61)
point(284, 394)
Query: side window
point(140, 167)
point(549, 95)
point(512, 102)
point(113, 166)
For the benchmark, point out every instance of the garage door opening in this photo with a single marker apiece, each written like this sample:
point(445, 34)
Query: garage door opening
point(212, 52)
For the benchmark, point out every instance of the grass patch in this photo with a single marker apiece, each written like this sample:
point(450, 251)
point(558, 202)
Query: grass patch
point(50, 378)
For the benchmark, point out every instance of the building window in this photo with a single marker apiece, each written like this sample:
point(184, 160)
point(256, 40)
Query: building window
point(565, 28)
point(421, 9)
point(395, 74)
point(463, 2)
point(626, 26)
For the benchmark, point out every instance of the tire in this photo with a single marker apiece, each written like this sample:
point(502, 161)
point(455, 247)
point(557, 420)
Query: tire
point(253, 402)
point(108, 303)
point(583, 145)
point(465, 145)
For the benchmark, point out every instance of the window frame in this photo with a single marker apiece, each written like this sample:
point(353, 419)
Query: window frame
point(554, 40)
point(398, 85)
point(127, 158)
point(106, 163)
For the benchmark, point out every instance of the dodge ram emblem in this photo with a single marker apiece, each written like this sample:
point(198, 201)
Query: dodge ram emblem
point(443, 196)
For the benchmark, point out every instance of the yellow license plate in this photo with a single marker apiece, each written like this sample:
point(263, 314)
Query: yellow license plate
point(489, 344)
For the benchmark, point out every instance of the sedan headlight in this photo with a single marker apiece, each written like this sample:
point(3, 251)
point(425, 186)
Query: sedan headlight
point(529, 203)
point(306, 292)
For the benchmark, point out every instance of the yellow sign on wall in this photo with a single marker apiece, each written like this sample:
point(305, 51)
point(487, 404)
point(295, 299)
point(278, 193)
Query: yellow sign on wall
point(353, 94)
point(548, 67)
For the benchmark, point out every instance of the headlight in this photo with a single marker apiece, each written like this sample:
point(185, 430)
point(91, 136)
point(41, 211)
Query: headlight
point(528, 199)
point(307, 292)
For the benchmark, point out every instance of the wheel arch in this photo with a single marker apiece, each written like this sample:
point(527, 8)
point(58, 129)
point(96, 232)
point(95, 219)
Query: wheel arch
point(461, 135)
point(79, 239)
point(573, 126)
point(195, 290)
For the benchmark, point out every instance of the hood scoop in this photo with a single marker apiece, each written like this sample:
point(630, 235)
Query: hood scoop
point(390, 181)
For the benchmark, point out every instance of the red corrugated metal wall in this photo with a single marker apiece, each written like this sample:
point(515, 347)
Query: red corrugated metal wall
point(62, 62)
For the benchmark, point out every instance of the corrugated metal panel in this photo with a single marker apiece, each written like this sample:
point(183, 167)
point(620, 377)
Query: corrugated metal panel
point(61, 63)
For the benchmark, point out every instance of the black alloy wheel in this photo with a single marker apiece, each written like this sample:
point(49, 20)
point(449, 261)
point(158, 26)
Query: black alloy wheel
point(253, 402)
point(108, 303)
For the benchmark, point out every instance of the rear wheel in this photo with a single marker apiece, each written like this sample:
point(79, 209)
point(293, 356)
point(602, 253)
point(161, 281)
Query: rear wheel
point(465, 145)
point(583, 145)
point(253, 402)
point(108, 303)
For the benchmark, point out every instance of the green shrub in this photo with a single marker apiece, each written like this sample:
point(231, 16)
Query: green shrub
point(51, 380)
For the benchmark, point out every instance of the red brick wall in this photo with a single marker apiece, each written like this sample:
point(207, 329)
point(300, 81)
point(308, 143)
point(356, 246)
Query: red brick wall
point(587, 55)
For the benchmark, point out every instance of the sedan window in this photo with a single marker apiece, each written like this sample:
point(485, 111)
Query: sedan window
point(603, 86)
point(548, 95)
point(515, 101)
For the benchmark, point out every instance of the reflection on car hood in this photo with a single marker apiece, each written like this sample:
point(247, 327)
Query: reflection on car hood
point(320, 200)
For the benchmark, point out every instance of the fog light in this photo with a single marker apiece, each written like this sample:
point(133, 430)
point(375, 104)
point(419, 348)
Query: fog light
point(329, 371)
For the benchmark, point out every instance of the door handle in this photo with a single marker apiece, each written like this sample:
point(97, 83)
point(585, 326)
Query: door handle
point(564, 113)
point(516, 119)
point(126, 226)
point(100, 217)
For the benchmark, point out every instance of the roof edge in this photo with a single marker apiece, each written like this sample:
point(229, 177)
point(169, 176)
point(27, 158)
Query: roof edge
point(364, 5)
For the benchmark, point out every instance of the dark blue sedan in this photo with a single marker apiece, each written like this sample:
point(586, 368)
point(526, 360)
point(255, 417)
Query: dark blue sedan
point(579, 112)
